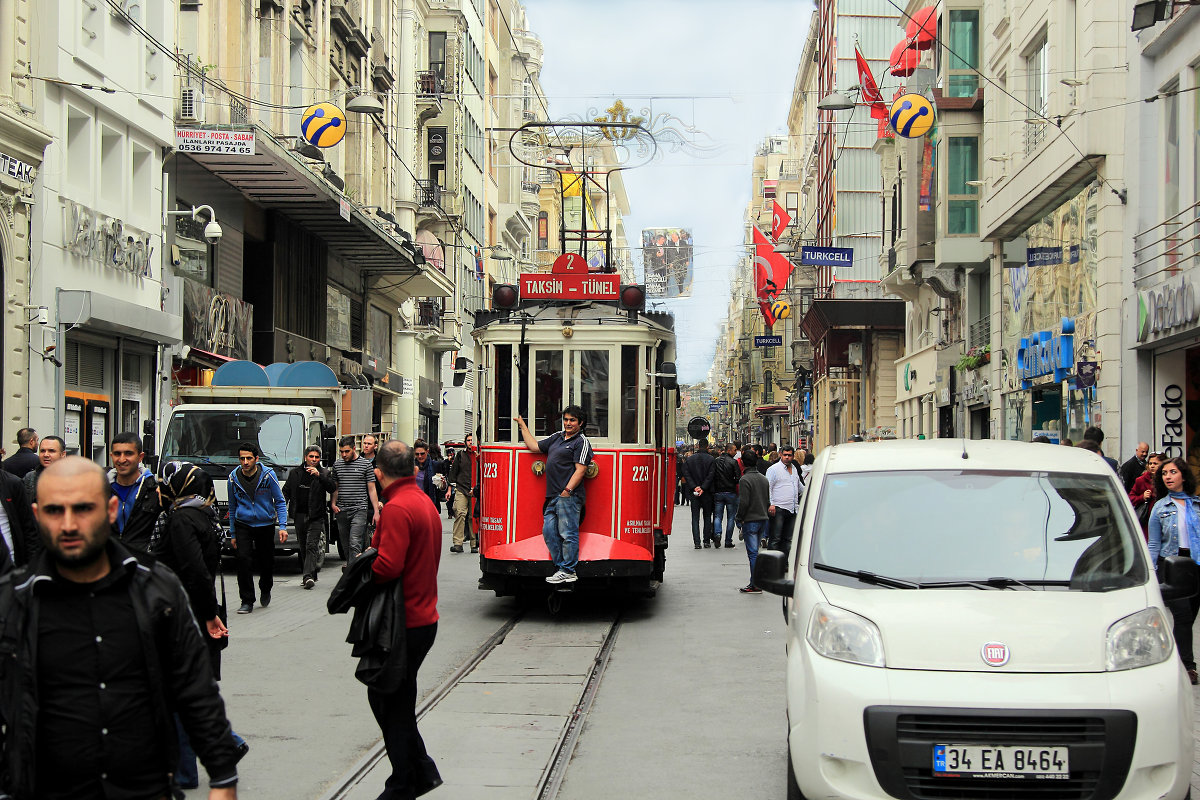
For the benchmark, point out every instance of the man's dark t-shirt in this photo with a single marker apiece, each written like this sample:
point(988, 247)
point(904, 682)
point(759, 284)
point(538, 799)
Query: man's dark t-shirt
point(562, 455)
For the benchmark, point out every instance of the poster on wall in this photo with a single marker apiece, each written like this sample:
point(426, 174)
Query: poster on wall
point(1170, 394)
point(216, 322)
point(667, 257)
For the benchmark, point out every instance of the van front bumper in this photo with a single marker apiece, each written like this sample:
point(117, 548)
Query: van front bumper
point(865, 732)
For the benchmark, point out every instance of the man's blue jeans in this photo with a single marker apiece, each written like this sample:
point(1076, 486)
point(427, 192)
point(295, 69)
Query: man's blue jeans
point(187, 775)
point(560, 529)
point(727, 504)
point(752, 531)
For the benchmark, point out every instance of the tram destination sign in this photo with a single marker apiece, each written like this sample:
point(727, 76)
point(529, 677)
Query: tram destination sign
point(549, 286)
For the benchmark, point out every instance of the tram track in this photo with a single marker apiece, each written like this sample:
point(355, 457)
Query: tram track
point(550, 782)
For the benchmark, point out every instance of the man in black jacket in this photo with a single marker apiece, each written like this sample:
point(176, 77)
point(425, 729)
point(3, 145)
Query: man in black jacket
point(93, 614)
point(136, 489)
point(425, 471)
point(21, 543)
point(726, 474)
point(698, 470)
point(26, 457)
point(1135, 466)
point(305, 491)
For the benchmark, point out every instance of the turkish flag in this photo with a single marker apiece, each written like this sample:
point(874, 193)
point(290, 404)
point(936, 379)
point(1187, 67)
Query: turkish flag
point(780, 219)
point(870, 90)
point(771, 273)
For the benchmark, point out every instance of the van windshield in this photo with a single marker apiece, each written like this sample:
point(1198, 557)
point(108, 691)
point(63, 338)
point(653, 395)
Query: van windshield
point(212, 436)
point(1031, 529)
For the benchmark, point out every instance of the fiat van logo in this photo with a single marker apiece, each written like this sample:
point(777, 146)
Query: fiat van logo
point(995, 654)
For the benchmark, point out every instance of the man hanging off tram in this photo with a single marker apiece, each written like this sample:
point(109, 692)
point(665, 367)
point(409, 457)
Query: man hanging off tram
point(568, 454)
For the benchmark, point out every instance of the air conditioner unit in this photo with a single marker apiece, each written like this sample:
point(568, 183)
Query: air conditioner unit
point(191, 104)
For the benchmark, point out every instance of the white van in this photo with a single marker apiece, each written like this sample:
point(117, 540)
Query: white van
point(978, 619)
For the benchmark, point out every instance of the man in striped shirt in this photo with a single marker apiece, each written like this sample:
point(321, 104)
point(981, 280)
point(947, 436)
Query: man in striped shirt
point(355, 500)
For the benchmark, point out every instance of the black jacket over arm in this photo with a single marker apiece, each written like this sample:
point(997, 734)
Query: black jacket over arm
point(27, 542)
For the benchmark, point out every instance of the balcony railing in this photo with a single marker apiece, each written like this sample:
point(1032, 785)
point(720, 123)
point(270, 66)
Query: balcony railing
point(429, 194)
point(429, 314)
point(1168, 247)
point(789, 170)
point(430, 85)
point(979, 334)
point(529, 116)
point(528, 186)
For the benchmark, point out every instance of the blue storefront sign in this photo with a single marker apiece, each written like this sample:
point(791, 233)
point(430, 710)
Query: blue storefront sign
point(1047, 352)
point(827, 256)
point(1043, 256)
point(768, 341)
point(714, 406)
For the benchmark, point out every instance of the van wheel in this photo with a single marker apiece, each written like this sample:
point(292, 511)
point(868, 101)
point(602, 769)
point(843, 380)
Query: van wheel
point(793, 790)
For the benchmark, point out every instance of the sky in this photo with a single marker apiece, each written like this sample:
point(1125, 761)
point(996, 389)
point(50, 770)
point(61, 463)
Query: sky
point(724, 68)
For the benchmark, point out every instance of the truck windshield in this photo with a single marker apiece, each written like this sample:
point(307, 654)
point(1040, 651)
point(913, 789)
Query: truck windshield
point(213, 436)
point(1025, 529)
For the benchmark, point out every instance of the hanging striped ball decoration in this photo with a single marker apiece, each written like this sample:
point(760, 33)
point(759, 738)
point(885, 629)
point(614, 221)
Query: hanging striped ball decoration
point(323, 125)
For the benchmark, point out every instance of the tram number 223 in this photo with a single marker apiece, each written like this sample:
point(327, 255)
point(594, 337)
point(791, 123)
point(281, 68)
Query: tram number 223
point(491, 470)
point(641, 473)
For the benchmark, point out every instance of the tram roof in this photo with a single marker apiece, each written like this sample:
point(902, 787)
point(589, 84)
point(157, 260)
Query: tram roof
point(555, 312)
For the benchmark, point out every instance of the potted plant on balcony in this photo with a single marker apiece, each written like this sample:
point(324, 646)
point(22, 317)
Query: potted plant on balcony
point(975, 358)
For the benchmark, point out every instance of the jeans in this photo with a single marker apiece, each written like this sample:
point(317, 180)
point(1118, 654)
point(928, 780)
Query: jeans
point(752, 531)
point(352, 530)
point(781, 530)
point(413, 771)
point(186, 774)
point(310, 530)
point(702, 506)
point(255, 550)
point(560, 529)
point(724, 504)
point(463, 526)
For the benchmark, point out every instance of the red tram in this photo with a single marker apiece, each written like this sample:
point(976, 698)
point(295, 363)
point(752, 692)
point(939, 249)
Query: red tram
point(580, 339)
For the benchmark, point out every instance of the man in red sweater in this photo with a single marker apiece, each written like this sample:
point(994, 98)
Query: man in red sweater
point(408, 538)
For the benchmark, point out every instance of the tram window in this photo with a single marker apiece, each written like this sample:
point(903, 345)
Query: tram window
point(589, 388)
point(547, 392)
point(629, 396)
point(502, 386)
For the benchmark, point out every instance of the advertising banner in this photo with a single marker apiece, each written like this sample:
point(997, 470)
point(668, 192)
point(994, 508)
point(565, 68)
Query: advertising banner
point(1170, 380)
point(667, 258)
point(216, 322)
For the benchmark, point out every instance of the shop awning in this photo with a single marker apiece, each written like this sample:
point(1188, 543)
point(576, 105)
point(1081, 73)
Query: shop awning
point(770, 410)
point(278, 179)
point(104, 312)
point(824, 315)
point(1064, 187)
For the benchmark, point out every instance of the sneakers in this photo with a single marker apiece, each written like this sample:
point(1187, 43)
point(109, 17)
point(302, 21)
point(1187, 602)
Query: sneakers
point(750, 588)
point(456, 548)
point(246, 608)
point(309, 582)
point(562, 576)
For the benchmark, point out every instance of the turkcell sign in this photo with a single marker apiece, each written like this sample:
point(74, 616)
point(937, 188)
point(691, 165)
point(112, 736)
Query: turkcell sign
point(827, 256)
point(547, 286)
point(1047, 352)
point(768, 341)
point(1043, 256)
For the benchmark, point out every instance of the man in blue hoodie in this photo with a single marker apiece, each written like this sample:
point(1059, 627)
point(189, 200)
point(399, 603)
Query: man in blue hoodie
point(256, 510)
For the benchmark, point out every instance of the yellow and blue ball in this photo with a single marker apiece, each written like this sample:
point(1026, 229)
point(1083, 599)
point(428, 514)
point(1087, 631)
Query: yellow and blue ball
point(911, 116)
point(323, 124)
point(781, 308)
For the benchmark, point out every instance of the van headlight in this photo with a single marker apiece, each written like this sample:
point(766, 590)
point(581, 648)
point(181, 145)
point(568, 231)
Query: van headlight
point(1139, 640)
point(845, 636)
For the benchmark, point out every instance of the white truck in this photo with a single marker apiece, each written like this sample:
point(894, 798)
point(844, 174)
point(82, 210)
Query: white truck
point(209, 423)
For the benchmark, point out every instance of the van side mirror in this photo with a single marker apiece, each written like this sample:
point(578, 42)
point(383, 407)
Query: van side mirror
point(461, 367)
point(770, 573)
point(667, 375)
point(1179, 578)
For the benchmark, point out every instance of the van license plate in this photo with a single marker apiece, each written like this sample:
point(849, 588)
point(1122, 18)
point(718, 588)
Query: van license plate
point(980, 761)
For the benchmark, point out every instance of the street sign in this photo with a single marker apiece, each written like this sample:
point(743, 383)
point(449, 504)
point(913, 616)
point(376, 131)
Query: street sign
point(827, 256)
point(768, 341)
point(714, 406)
point(543, 286)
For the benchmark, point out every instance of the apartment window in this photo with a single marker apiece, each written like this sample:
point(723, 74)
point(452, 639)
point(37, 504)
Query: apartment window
point(437, 53)
point(791, 204)
point(527, 95)
point(543, 231)
point(1037, 89)
point(962, 214)
point(1171, 150)
point(1196, 138)
point(963, 55)
point(494, 91)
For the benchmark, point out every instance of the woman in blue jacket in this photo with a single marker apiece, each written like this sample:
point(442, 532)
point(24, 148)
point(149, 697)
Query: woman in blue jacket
point(1175, 531)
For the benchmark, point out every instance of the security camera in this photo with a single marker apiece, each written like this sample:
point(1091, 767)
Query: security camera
point(213, 232)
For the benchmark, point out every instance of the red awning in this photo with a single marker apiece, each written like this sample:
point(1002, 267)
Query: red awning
point(904, 60)
point(922, 28)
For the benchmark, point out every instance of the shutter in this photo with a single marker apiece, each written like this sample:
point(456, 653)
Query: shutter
point(356, 324)
point(71, 364)
point(92, 361)
point(229, 262)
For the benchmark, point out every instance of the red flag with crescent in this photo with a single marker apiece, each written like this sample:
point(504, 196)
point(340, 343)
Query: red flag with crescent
point(771, 273)
point(780, 219)
point(870, 90)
